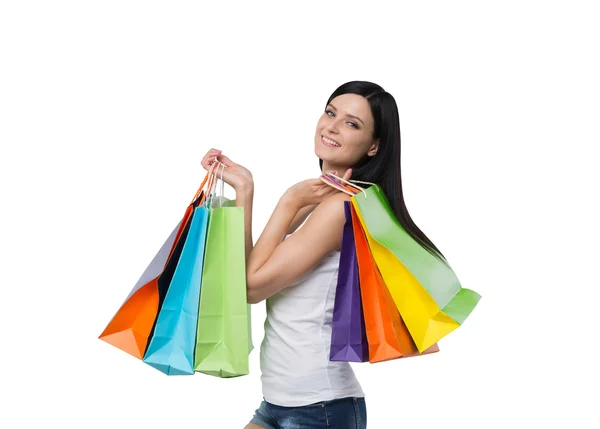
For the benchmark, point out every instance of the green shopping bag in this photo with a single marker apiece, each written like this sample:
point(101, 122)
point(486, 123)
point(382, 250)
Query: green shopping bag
point(436, 276)
point(224, 336)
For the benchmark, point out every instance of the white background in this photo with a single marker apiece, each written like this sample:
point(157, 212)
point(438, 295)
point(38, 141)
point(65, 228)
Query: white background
point(106, 109)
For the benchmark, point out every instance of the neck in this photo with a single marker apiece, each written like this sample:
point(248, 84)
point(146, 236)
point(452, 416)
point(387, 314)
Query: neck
point(327, 166)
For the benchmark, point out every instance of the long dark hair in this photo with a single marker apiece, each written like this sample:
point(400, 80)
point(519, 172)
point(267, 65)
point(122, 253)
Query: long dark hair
point(384, 168)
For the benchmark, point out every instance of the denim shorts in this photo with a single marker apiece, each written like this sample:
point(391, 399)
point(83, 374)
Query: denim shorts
point(344, 413)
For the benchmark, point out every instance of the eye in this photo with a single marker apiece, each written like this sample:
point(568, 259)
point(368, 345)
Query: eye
point(352, 124)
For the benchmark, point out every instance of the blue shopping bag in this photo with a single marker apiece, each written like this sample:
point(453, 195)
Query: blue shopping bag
point(171, 349)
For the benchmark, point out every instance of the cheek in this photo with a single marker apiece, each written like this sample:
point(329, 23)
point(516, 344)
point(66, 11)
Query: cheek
point(320, 125)
point(356, 147)
point(353, 142)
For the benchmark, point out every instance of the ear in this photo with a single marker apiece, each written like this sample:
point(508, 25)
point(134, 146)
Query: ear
point(374, 148)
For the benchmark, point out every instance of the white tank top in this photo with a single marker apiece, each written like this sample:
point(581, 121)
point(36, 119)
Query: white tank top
point(294, 354)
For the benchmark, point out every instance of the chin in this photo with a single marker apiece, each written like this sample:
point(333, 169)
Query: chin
point(325, 153)
point(322, 154)
point(318, 150)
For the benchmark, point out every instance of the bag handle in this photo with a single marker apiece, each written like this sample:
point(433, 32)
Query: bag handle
point(335, 184)
point(213, 185)
point(208, 180)
point(222, 194)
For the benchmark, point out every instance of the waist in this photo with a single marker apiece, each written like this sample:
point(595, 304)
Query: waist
point(322, 404)
point(300, 376)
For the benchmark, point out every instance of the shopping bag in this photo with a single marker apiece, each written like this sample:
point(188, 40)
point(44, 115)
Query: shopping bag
point(434, 275)
point(422, 316)
point(171, 349)
point(223, 337)
point(426, 321)
point(387, 335)
point(348, 337)
point(132, 325)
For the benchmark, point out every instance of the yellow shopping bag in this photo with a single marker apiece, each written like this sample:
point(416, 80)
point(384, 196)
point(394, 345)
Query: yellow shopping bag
point(422, 316)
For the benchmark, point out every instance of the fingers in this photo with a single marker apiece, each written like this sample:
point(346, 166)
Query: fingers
point(212, 153)
point(210, 158)
point(347, 174)
point(225, 160)
point(325, 189)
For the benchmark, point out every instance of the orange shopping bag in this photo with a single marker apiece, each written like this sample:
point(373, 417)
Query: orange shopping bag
point(387, 334)
point(133, 324)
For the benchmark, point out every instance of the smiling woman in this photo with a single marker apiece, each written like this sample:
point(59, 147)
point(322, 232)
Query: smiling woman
point(294, 264)
point(347, 137)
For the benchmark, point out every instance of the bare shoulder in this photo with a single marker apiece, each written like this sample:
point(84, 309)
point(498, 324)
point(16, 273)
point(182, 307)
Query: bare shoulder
point(297, 255)
point(328, 219)
point(340, 196)
point(333, 205)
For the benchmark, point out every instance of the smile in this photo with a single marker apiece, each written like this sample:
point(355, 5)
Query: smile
point(328, 142)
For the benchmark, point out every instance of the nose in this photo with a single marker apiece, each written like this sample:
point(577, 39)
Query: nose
point(333, 126)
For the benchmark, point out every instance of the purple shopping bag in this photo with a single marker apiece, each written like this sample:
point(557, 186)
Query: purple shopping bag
point(348, 334)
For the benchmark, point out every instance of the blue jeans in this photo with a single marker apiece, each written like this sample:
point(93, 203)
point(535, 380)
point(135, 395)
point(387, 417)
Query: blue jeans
point(344, 413)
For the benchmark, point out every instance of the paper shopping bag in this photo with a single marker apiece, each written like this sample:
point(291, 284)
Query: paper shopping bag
point(171, 349)
point(434, 275)
point(132, 325)
point(430, 310)
point(348, 337)
point(387, 335)
point(422, 316)
point(425, 321)
point(223, 338)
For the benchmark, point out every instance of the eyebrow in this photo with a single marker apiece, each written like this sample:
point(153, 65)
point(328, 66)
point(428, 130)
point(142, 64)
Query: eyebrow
point(348, 114)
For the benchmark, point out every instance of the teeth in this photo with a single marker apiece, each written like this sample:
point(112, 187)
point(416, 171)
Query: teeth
point(330, 141)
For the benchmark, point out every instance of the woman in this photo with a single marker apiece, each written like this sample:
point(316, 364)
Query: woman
point(293, 265)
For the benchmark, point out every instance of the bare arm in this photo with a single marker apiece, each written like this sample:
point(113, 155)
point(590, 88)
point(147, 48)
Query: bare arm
point(274, 264)
point(244, 197)
point(300, 217)
point(240, 179)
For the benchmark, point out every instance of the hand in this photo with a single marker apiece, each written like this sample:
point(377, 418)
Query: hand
point(236, 176)
point(311, 191)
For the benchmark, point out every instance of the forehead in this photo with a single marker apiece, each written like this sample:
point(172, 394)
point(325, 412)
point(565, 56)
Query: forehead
point(353, 104)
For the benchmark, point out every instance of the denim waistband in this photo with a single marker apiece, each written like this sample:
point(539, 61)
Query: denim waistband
point(323, 403)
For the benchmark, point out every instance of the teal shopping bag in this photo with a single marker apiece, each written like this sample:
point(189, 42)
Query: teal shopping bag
point(171, 349)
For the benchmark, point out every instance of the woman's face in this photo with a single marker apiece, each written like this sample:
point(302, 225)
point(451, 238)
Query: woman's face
point(348, 122)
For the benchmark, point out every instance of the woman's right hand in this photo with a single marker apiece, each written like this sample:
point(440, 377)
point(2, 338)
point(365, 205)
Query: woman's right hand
point(235, 175)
